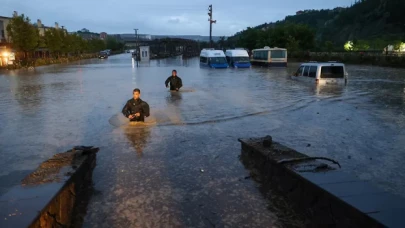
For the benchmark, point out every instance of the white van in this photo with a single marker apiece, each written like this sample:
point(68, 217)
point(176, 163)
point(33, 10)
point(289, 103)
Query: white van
point(213, 58)
point(322, 73)
point(238, 58)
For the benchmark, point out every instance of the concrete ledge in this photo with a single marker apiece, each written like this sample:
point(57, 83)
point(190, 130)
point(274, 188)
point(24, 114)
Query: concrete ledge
point(323, 192)
point(53, 195)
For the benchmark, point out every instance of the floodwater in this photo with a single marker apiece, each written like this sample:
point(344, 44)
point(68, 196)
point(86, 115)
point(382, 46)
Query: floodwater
point(182, 168)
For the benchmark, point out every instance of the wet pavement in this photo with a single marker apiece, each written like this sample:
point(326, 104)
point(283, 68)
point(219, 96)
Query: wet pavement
point(183, 168)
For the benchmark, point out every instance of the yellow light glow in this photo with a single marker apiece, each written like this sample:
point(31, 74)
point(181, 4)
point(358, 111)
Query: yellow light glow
point(5, 54)
point(402, 47)
point(348, 46)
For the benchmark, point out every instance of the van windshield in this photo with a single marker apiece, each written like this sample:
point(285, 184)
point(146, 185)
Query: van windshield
point(218, 60)
point(332, 72)
point(241, 59)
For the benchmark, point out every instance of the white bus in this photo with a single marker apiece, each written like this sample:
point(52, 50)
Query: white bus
point(238, 58)
point(270, 57)
point(213, 58)
point(322, 73)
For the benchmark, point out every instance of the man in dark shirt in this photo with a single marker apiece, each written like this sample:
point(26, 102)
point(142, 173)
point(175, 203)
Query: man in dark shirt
point(136, 109)
point(175, 81)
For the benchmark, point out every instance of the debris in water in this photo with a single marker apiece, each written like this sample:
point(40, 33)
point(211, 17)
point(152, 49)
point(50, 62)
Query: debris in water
point(202, 170)
point(349, 157)
point(309, 145)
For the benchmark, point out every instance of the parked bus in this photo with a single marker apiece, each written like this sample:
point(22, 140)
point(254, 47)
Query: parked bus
point(269, 57)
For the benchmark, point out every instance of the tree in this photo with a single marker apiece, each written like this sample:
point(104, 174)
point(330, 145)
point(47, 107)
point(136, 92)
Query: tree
point(23, 34)
point(113, 44)
point(53, 41)
point(221, 42)
point(329, 46)
point(292, 44)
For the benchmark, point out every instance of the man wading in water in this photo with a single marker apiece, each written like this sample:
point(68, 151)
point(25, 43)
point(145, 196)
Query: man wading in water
point(175, 81)
point(136, 109)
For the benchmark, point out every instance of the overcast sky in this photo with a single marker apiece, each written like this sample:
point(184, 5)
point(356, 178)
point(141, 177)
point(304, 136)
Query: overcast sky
point(161, 17)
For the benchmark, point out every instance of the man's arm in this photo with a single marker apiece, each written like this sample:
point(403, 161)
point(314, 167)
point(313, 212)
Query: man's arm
point(167, 81)
point(125, 110)
point(180, 83)
point(145, 109)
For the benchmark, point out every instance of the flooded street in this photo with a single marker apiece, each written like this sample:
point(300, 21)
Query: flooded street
point(183, 169)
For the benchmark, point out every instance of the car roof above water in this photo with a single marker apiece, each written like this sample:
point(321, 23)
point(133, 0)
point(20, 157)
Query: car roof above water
point(212, 53)
point(331, 63)
point(236, 52)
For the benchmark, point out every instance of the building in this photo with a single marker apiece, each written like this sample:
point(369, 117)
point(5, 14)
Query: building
point(145, 53)
point(4, 21)
point(131, 37)
point(103, 35)
point(41, 28)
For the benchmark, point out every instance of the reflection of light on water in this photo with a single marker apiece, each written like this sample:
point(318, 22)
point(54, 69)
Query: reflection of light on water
point(133, 76)
point(328, 90)
point(157, 117)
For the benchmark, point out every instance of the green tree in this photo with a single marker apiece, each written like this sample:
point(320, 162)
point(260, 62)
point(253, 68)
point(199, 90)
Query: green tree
point(329, 46)
point(378, 44)
point(54, 41)
point(23, 34)
point(221, 42)
point(361, 45)
point(292, 44)
point(111, 43)
point(114, 44)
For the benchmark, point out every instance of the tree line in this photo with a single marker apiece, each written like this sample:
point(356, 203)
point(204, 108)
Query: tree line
point(294, 37)
point(26, 38)
point(367, 25)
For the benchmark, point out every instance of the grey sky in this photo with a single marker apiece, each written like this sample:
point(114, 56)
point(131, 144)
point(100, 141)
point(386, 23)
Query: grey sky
point(161, 17)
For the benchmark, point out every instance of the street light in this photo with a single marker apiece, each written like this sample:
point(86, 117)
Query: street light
point(136, 39)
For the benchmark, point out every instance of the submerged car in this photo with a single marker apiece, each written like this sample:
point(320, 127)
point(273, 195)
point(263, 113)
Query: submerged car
point(103, 55)
point(322, 73)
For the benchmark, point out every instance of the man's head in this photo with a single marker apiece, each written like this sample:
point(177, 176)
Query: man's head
point(137, 93)
point(174, 73)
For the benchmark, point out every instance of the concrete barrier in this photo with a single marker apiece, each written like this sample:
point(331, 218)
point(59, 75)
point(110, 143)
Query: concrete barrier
point(54, 195)
point(326, 195)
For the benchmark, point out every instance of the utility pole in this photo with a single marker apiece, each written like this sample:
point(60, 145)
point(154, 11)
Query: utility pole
point(136, 39)
point(136, 46)
point(211, 22)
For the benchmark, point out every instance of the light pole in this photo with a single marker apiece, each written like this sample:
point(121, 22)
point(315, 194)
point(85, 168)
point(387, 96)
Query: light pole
point(136, 46)
point(136, 39)
point(211, 22)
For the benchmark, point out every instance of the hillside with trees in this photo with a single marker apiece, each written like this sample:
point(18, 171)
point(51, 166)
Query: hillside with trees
point(368, 24)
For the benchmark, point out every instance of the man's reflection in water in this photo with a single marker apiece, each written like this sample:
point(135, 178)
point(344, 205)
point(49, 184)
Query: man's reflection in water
point(173, 111)
point(138, 135)
point(174, 98)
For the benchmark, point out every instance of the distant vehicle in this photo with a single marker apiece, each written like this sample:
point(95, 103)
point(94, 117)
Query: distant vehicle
point(102, 55)
point(269, 57)
point(322, 73)
point(213, 58)
point(108, 51)
point(238, 58)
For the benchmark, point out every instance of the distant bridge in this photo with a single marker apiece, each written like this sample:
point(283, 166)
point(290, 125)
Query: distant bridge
point(167, 46)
